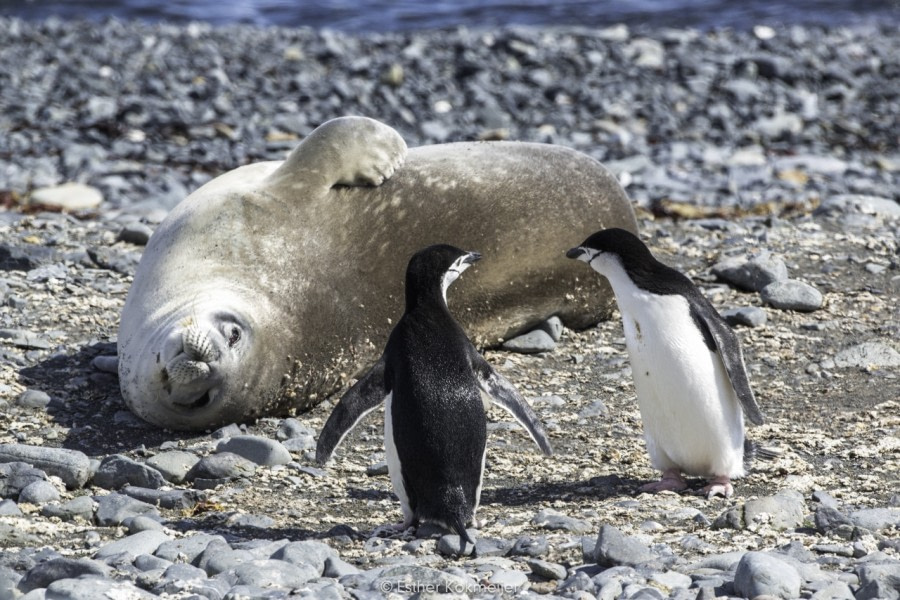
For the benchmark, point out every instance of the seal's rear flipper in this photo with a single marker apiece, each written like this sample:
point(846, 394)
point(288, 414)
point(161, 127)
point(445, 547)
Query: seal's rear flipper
point(506, 396)
point(366, 395)
point(355, 151)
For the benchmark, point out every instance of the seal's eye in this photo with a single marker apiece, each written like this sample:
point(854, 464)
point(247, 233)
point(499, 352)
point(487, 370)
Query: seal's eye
point(234, 337)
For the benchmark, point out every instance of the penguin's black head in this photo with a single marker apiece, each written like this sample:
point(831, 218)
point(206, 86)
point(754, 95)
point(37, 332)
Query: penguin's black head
point(614, 241)
point(431, 270)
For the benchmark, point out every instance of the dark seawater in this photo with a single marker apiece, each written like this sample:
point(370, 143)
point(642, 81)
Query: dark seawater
point(388, 15)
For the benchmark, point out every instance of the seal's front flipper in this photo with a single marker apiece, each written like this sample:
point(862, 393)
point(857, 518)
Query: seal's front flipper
point(506, 396)
point(354, 151)
point(366, 395)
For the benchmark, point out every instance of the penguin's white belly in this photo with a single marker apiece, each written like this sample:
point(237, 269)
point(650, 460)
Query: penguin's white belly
point(691, 415)
point(393, 462)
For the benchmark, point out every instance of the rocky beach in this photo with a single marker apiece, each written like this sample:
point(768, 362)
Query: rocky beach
point(763, 164)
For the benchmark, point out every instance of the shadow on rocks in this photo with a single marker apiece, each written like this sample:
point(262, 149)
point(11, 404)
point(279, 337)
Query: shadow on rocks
point(521, 494)
point(88, 402)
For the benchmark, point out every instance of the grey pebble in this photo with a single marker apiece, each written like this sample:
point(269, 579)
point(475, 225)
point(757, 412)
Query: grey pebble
point(452, 545)
point(72, 466)
point(39, 492)
point(555, 521)
point(377, 469)
point(784, 510)
point(145, 542)
point(825, 499)
point(614, 548)
point(792, 295)
point(114, 508)
point(292, 428)
point(9, 508)
point(80, 507)
point(136, 233)
point(752, 274)
point(268, 573)
point(876, 519)
point(337, 568)
point(527, 545)
point(545, 569)
point(306, 552)
point(749, 316)
point(259, 450)
point(761, 574)
point(828, 520)
point(33, 399)
point(186, 548)
point(173, 465)
point(221, 466)
point(91, 589)
point(117, 471)
point(871, 354)
point(408, 579)
point(106, 364)
point(226, 432)
point(879, 579)
point(172, 499)
point(45, 573)
point(141, 523)
point(486, 546)
point(532, 342)
point(16, 476)
point(508, 580)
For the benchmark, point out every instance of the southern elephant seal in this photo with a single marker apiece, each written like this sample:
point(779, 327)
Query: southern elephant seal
point(272, 285)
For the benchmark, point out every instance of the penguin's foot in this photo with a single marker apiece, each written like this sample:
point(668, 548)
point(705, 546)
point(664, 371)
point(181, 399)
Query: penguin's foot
point(671, 481)
point(390, 529)
point(719, 486)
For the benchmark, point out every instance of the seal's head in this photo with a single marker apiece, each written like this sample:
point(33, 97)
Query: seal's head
point(196, 368)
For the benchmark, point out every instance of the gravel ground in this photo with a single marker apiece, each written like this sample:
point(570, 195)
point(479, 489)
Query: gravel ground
point(732, 145)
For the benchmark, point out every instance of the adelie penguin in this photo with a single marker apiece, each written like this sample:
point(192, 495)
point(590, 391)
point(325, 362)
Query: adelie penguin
point(430, 378)
point(689, 375)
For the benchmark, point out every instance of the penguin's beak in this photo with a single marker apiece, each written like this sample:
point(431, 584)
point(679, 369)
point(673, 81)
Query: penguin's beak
point(472, 257)
point(575, 252)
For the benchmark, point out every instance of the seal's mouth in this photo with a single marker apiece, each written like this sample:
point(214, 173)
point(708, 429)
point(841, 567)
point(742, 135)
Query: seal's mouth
point(202, 401)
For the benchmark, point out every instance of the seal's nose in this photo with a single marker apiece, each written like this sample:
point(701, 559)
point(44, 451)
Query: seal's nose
point(575, 252)
point(193, 363)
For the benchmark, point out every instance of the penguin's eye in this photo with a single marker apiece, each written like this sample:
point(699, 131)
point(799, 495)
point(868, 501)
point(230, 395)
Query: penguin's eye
point(234, 337)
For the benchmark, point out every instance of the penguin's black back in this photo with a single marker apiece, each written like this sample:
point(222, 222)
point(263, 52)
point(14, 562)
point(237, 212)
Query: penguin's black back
point(439, 424)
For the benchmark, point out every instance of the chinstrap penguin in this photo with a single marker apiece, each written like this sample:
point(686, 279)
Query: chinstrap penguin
point(689, 375)
point(430, 378)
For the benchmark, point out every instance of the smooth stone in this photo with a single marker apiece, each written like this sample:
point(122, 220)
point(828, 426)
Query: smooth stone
point(9, 508)
point(410, 579)
point(221, 466)
point(106, 364)
point(80, 507)
point(487, 547)
point(828, 520)
point(671, 580)
point(532, 342)
point(306, 552)
point(292, 428)
point(92, 589)
point(792, 295)
point(68, 197)
point(268, 573)
point(141, 523)
point(847, 203)
point(145, 542)
point(186, 548)
point(136, 233)
point(836, 590)
point(33, 399)
point(870, 354)
point(784, 510)
point(545, 569)
point(825, 165)
point(174, 464)
point(172, 499)
point(15, 477)
point(554, 327)
point(72, 466)
point(45, 573)
point(761, 574)
point(555, 521)
point(749, 316)
point(825, 499)
point(509, 581)
point(379, 468)
point(876, 519)
point(223, 561)
point(453, 545)
point(259, 450)
point(335, 567)
point(39, 492)
point(615, 548)
point(114, 508)
point(300, 444)
point(754, 274)
point(879, 580)
point(533, 546)
point(117, 471)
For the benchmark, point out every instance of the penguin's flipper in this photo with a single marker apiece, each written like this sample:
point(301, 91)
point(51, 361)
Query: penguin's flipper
point(728, 347)
point(505, 395)
point(366, 395)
